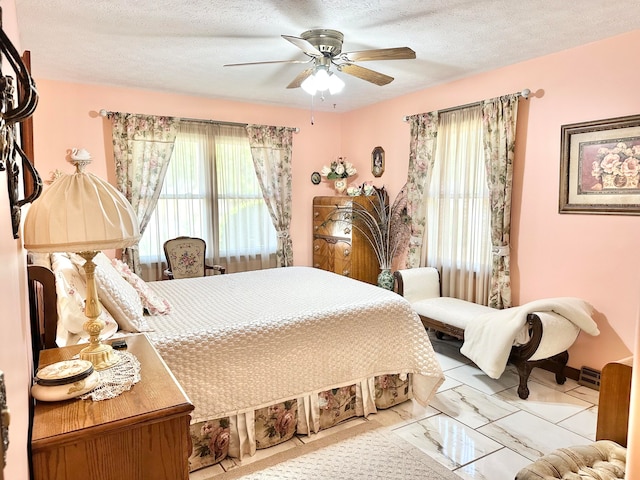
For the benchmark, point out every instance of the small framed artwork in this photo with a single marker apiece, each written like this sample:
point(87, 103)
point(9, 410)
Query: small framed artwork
point(600, 167)
point(377, 162)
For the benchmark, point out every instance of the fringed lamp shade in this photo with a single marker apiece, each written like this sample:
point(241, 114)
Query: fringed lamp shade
point(82, 213)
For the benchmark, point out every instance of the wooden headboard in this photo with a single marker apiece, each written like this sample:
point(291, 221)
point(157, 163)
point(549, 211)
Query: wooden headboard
point(43, 310)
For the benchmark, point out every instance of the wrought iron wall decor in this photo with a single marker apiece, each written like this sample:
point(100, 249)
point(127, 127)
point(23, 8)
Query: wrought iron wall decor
point(12, 112)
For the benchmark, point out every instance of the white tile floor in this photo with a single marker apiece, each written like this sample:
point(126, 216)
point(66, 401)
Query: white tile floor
point(476, 426)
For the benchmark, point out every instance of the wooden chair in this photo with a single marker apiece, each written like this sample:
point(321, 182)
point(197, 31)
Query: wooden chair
point(186, 258)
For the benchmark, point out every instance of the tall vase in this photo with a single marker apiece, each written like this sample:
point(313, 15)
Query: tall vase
point(340, 185)
point(385, 279)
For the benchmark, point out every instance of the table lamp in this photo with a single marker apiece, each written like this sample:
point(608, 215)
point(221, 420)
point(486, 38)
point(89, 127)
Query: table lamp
point(84, 214)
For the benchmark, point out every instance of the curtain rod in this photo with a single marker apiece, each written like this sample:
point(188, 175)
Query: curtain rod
point(524, 94)
point(104, 113)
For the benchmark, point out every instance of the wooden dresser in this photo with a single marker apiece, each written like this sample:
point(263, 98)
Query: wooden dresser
point(339, 248)
point(141, 434)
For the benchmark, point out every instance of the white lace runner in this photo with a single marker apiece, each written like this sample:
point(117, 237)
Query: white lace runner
point(117, 379)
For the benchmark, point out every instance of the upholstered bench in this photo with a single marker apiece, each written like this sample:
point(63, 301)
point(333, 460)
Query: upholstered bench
point(542, 342)
point(603, 459)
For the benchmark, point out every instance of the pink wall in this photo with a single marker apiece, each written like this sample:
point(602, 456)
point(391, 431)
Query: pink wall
point(553, 255)
point(67, 116)
point(15, 341)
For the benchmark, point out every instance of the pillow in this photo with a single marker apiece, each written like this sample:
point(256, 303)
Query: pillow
point(71, 292)
point(115, 293)
point(151, 301)
point(40, 259)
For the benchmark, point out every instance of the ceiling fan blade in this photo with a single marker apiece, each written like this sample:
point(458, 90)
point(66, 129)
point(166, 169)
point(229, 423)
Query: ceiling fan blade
point(262, 63)
point(302, 76)
point(399, 53)
point(365, 74)
point(303, 45)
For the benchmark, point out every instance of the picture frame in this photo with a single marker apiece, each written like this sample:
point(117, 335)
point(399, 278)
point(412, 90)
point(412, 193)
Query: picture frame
point(600, 167)
point(377, 161)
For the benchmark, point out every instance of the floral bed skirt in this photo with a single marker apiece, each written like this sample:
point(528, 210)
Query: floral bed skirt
point(242, 434)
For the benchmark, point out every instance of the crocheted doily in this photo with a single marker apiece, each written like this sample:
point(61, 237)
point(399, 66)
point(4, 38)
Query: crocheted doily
point(117, 379)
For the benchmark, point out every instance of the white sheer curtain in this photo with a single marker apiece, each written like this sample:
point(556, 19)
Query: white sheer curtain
point(248, 239)
point(211, 191)
point(458, 234)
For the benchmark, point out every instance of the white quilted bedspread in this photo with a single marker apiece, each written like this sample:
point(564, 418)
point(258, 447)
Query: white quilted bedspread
point(241, 341)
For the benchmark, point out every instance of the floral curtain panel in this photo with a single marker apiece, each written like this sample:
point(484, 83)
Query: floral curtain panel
point(500, 115)
point(424, 129)
point(142, 146)
point(271, 150)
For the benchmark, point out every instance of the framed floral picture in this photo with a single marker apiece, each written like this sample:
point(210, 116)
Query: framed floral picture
point(600, 167)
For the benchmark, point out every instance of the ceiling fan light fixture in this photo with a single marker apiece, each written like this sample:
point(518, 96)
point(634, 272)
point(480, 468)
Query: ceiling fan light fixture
point(309, 85)
point(335, 84)
point(322, 80)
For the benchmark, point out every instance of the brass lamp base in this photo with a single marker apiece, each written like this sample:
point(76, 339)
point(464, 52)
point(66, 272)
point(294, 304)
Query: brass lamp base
point(101, 356)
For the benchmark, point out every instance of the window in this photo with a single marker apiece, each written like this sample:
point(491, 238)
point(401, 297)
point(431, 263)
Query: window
point(211, 191)
point(458, 231)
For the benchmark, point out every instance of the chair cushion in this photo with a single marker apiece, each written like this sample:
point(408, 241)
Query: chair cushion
point(186, 256)
point(449, 310)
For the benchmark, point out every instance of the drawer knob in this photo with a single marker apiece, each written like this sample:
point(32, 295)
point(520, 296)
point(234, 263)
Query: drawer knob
point(315, 228)
point(316, 247)
point(346, 273)
point(316, 214)
point(347, 252)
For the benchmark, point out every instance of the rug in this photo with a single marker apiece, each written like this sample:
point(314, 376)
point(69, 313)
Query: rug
point(370, 451)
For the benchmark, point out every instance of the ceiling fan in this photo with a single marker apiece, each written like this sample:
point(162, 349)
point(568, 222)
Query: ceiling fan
point(324, 47)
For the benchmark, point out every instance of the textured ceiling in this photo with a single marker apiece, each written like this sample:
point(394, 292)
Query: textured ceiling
point(181, 46)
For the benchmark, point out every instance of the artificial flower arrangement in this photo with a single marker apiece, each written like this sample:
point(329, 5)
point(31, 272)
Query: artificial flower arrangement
point(339, 168)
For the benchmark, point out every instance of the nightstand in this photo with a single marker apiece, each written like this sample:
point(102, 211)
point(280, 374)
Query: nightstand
point(141, 434)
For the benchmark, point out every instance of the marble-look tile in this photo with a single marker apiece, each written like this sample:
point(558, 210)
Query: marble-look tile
point(449, 383)
point(501, 465)
point(548, 403)
point(585, 393)
point(446, 440)
point(583, 423)
point(474, 377)
point(531, 436)
point(545, 377)
point(448, 354)
point(471, 406)
point(406, 412)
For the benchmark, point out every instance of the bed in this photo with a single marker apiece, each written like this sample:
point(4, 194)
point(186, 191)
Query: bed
point(267, 354)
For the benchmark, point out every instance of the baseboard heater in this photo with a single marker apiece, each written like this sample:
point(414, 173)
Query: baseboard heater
point(589, 377)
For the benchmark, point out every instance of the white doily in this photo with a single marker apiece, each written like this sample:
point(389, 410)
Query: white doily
point(117, 379)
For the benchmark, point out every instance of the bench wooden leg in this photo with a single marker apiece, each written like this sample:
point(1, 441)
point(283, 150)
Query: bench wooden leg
point(524, 370)
point(555, 364)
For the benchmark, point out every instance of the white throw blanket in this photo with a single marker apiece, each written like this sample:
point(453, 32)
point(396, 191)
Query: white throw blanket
point(489, 338)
